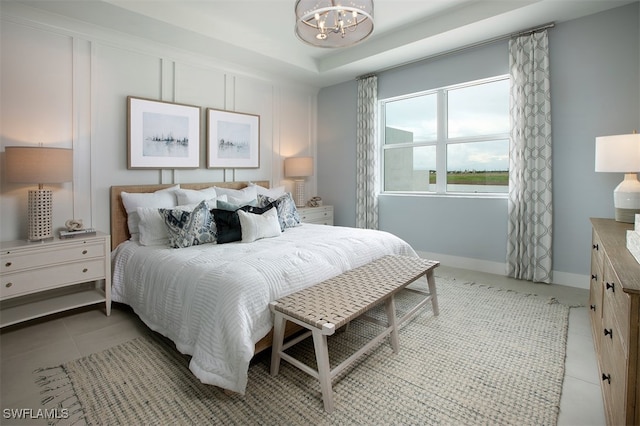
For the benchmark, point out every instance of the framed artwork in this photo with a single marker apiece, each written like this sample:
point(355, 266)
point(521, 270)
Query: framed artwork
point(233, 139)
point(162, 135)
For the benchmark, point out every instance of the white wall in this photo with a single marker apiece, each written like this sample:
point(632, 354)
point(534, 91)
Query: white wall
point(65, 84)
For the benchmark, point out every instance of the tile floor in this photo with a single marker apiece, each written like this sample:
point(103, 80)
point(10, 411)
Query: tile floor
point(61, 338)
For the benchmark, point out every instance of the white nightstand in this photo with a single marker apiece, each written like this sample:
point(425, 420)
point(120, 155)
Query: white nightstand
point(41, 278)
point(322, 215)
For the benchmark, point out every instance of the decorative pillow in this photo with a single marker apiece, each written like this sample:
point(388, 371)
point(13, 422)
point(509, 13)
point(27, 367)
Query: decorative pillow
point(258, 226)
point(189, 228)
point(153, 230)
point(287, 211)
point(164, 198)
point(191, 196)
point(243, 195)
point(227, 222)
point(276, 192)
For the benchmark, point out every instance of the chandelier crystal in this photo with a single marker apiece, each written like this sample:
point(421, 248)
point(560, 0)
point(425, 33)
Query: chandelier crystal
point(333, 23)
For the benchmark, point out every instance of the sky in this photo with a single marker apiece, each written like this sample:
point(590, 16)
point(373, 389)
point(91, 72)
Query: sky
point(473, 111)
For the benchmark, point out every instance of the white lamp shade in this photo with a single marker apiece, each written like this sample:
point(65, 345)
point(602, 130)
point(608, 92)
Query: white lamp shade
point(619, 153)
point(298, 167)
point(38, 164)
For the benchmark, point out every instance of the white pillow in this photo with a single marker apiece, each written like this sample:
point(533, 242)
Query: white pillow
point(276, 192)
point(153, 231)
point(246, 194)
point(257, 226)
point(164, 198)
point(194, 196)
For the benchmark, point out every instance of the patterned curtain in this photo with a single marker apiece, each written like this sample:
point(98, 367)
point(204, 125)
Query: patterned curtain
point(529, 249)
point(367, 154)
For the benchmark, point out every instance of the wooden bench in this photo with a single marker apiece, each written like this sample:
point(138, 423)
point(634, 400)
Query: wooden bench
point(325, 307)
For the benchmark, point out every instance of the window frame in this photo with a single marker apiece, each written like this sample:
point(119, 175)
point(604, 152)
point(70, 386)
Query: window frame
point(441, 142)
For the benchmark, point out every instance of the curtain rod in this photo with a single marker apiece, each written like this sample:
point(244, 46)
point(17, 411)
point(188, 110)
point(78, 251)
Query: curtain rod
point(466, 47)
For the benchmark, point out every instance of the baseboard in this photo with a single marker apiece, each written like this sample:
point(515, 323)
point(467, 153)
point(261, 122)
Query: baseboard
point(498, 268)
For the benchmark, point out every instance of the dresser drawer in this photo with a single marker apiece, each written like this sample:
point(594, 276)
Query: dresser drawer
point(616, 306)
point(597, 250)
point(16, 260)
point(614, 379)
point(38, 279)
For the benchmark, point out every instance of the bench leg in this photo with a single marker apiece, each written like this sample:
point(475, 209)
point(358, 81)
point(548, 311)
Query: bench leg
point(324, 369)
point(431, 280)
point(390, 308)
point(278, 339)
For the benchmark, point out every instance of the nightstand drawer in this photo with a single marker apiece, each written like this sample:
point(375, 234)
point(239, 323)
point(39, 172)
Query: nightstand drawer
point(34, 257)
point(38, 279)
point(320, 215)
point(616, 309)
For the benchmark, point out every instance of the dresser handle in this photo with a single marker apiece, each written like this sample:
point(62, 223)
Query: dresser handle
point(85, 270)
point(594, 277)
point(606, 377)
point(595, 247)
point(608, 332)
point(593, 308)
point(611, 286)
point(8, 264)
point(7, 285)
point(84, 252)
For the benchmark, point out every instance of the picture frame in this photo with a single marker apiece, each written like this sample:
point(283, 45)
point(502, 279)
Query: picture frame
point(162, 135)
point(233, 139)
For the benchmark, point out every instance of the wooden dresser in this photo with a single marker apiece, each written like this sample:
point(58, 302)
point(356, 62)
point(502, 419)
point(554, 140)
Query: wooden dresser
point(614, 302)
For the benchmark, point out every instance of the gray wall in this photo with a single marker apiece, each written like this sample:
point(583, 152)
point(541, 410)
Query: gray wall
point(595, 75)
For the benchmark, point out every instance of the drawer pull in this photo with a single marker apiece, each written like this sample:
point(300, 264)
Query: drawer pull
point(85, 270)
point(593, 308)
point(606, 377)
point(594, 277)
point(7, 285)
point(84, 252)
point(608, 332)
point(8, 264)
point(595, 247)
point(611, 286)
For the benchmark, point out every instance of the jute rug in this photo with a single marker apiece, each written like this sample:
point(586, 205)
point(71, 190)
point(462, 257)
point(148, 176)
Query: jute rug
point(492, 357)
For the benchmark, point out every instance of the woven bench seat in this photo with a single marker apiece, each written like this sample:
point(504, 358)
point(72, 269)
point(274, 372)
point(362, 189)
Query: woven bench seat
point(327, 306)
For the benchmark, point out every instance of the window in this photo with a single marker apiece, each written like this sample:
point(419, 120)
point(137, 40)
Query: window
point(449, 140)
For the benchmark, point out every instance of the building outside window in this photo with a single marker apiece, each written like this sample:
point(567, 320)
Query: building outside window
point(448, 140)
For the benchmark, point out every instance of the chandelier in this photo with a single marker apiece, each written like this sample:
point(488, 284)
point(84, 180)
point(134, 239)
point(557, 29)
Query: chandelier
point(333, 23)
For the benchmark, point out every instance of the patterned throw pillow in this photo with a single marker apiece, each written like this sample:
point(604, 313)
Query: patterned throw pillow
point(189, 228)
point(287, 211)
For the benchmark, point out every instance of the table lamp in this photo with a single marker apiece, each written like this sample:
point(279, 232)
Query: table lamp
point(39, 165)
point(298, 168)
point(621, 154)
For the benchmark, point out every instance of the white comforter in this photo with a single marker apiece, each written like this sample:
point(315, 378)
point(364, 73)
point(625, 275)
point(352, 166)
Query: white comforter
point(212, 300)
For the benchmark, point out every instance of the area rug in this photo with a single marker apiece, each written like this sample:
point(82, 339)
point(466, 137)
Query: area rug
point(492, 356)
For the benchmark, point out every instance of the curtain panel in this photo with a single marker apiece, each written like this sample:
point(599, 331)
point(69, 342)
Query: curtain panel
point(367, 154)
point(529, 248)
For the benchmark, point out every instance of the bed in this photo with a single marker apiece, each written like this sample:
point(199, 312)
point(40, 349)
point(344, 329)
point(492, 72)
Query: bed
point(212, 300)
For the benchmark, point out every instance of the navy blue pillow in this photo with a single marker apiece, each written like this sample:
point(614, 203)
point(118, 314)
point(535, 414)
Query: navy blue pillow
point(228, 227)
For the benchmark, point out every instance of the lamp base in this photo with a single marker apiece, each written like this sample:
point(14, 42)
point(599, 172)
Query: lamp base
point(39, 214)
point(626, 198)
point(299, 193)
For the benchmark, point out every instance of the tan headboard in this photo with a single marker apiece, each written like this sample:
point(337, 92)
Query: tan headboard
point(119, 228)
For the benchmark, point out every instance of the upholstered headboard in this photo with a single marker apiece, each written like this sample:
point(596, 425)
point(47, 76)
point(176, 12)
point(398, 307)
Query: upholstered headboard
point(119, 228)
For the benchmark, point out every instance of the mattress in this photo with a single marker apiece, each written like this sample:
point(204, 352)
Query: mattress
point(212, 300)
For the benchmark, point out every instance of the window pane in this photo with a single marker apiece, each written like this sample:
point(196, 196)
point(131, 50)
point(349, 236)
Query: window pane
point(478, 110)
point(478, 166)
point(410, 169)
point(411, 120)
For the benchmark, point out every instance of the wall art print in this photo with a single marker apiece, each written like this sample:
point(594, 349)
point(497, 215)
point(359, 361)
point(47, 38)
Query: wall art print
point(162, 135)
point(233, 139)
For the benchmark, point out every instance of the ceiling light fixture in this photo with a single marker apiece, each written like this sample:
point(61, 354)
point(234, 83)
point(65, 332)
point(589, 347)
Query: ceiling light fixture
point(333, 23)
